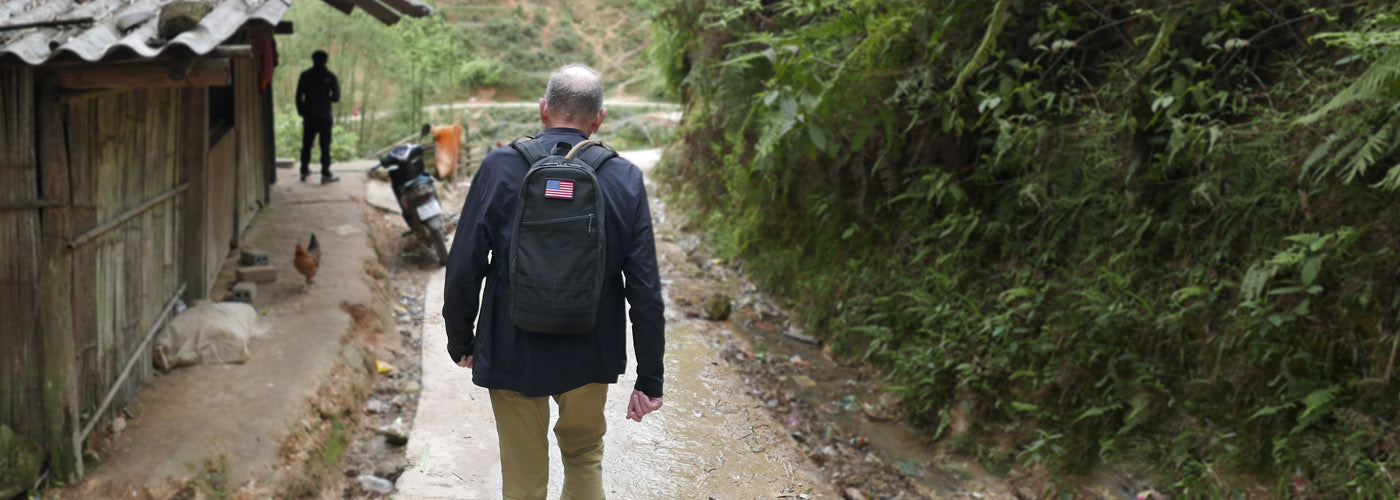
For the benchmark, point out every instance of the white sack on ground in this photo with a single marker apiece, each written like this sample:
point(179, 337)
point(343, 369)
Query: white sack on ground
point(211, 332)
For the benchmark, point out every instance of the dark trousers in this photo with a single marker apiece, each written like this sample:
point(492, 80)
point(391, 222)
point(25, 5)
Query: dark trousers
point(310, 128)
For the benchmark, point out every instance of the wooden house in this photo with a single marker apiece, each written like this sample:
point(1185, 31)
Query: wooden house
point(135, 146)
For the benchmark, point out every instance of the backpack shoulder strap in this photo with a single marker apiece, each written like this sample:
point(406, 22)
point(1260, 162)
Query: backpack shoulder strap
point(596, 156)
point(531, 149)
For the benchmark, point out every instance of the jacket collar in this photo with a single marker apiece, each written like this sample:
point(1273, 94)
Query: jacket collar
point(564, 132)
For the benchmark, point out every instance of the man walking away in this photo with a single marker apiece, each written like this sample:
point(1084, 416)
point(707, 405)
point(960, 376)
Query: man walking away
point(316, 90)
point(524, 369)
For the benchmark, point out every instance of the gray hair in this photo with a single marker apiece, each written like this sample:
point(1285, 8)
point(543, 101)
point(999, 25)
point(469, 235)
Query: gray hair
point(574, 90)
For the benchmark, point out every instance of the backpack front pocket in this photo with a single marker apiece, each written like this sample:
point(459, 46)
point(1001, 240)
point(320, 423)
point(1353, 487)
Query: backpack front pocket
point(555, 286)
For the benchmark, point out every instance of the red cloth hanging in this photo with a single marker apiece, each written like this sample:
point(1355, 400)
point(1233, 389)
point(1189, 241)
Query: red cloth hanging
point(266, 49)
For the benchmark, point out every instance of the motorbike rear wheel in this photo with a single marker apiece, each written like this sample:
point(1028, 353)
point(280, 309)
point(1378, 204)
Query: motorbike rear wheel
point(439, 243)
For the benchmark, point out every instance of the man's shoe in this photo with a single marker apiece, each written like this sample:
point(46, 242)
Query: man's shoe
point(327, 179)
point(303, 176)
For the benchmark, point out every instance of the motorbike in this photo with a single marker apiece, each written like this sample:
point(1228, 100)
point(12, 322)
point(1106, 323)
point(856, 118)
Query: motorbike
point(416, 193)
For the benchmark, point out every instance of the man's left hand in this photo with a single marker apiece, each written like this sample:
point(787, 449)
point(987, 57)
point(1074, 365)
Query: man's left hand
point(465, 362)
point(641, 404)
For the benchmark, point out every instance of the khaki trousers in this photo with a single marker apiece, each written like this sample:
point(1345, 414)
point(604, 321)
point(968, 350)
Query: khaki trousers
point(521, 423)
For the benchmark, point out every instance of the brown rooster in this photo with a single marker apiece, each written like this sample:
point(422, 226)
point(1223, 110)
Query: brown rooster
point(305, 264)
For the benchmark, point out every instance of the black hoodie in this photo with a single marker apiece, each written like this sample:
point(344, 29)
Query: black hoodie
point(316, 90)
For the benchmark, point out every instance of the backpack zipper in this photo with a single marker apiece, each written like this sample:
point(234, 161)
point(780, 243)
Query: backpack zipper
point(590, 224)
point(559, 220)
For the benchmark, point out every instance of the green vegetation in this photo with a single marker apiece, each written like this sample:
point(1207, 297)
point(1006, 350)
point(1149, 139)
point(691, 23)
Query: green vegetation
point(331, 450)
point(1091, 233)
point(492, 50)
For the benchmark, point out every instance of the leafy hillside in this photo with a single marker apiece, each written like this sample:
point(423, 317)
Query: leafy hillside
point(484, 50)
point(1074, 234)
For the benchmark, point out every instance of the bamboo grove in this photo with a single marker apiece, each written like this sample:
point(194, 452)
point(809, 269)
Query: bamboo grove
point(1074, 235)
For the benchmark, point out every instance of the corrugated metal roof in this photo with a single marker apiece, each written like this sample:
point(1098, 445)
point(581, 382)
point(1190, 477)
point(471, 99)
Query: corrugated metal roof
point(102, 33)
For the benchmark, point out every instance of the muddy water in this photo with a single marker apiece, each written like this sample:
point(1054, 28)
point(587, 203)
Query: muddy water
point(840, 414)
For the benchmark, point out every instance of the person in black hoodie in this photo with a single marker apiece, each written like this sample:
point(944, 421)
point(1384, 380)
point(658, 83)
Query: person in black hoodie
point(524, 370)
point(316, 90)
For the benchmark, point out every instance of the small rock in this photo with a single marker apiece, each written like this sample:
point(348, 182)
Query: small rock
point(396, 433)
point(23, 461)
point(717, 306)
point(874, 412)
point(376, 484)
point(374, 406)
point(91, 459)
point(411, 387)
point(854, 494)
point(118, 424)
point(391, 467)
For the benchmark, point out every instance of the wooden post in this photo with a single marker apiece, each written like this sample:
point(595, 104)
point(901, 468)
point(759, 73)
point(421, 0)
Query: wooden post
point(269, 118)
point(194, 168)
point(55, 290)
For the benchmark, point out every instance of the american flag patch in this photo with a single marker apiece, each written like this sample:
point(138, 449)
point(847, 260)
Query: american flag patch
point(559, 188)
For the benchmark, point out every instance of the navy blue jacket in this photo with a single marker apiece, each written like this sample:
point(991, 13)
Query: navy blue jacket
point(537, 364)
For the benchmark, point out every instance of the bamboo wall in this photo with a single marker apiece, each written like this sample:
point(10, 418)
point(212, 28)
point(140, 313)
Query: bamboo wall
point(21, 382)
point(249, 122)
point(221, 209)
point(123, 152)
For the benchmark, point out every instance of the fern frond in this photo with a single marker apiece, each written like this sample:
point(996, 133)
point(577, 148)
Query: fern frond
point(1341, 156)
point(1317, 404)
point(1375, 147)
point(984, 50)
point(1372, 84)
point(1318, 153)
point(1392, 179)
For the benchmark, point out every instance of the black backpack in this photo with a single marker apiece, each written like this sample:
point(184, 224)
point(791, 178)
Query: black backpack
point(558, 250)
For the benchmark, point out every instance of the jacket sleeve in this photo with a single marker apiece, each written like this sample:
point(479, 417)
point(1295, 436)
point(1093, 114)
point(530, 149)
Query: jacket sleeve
point(643, 291)
point(301, 95)
point(335, 88)
point(467, 265)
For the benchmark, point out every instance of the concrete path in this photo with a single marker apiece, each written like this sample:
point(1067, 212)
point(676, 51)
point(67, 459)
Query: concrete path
point(711, 439)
